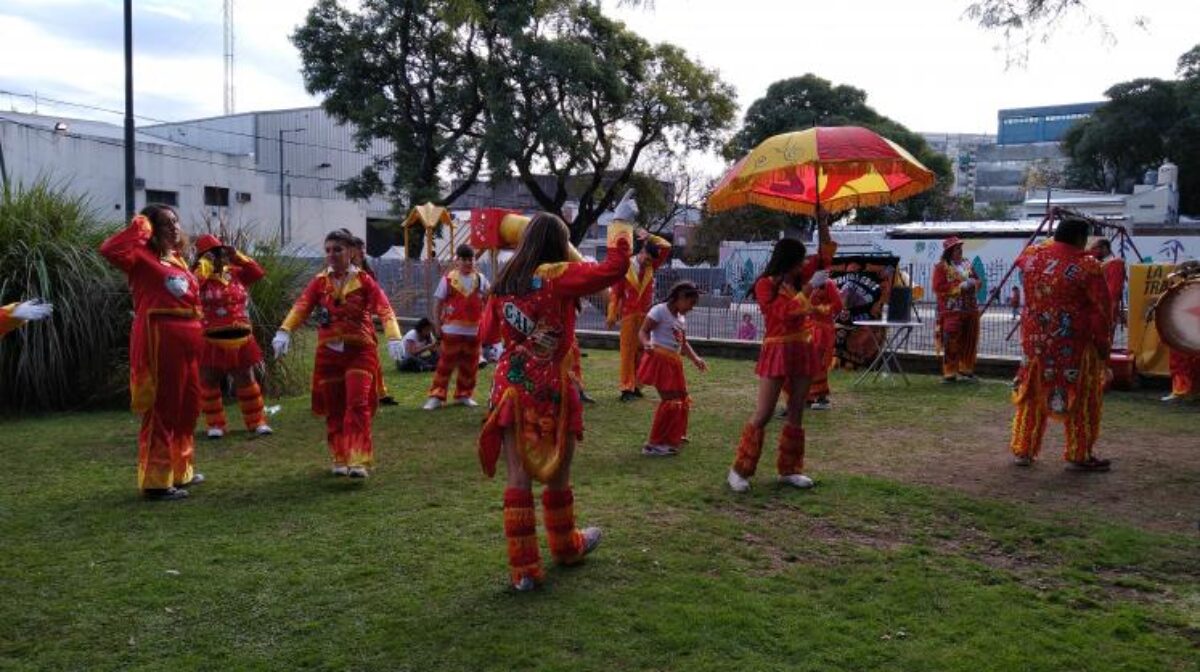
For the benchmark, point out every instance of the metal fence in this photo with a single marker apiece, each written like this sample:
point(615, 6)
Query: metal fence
point(724, 307)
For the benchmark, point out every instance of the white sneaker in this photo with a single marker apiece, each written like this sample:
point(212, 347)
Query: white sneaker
point(822, 404)
point(340, 470)
point(468, 402)
point(736, 482)
point(1172, 398)
point(591, 538)
point(797, 481)
point(525, 585)
point(652, 450)
point(357, 472)
point(264, 430)
point(432, 404)
point(215, 432)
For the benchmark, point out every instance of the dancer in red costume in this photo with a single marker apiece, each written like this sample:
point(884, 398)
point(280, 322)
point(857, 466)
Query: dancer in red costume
point(827, 305)
point(1185, 376)
point(460, 296)
point(955, 283)
point(664, 338)
point(164, 349)
point(1065, 335)
point(1113, 268)
point(229, 348)
point(344, 387)
point(629, 299)
point(787, 359)
point(14, 315)
point(534, 414)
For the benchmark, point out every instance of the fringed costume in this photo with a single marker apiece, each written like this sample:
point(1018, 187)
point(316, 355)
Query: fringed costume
point(534, 394)
point(826, 306)
point(164, 354)
point(344, 386)
point(957, 331)
point(629, 301)
point(1065, 335)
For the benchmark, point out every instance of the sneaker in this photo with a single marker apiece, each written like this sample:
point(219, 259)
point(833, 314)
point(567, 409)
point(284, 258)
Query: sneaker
point(797, 481)
point(432, 404)
point(389, 400)
point(638, 393)
point(1172, 398)
point(340, 470)
point(650, 450)
point(591, 538)
point(968, 378)
point(628, 396)
point(197, 479)
point(822, 404)
point(586, 398)
point(264, 430)
point(782, 413)
point(1022, 461)
point(164, 494)
point(736, 482)
point(483, 363)
point(215, 432)
point(1090, 464)
point(468, 402)
point(357, 472)
point(684, 439)
point(525, 585)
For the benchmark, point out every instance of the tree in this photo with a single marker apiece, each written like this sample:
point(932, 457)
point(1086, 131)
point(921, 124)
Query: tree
point(803, 102)
point(750, 223)
point(1022, 22)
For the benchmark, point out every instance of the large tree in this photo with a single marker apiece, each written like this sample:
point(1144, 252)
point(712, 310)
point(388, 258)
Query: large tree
point(803, 102)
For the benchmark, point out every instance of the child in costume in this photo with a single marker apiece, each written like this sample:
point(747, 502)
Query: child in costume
point(229, 347)
point(344, 387)
point(787, 359)
point(460, 296)
point(955, 283)
point(14, 315)
point(164, 349)
point(827, 305)
point(664, 338)
point(534, 414)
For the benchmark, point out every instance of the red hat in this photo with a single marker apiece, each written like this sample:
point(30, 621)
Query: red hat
point(207, 243)
point(952, 241)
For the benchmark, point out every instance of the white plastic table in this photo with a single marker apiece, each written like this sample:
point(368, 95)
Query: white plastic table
point(890, 338)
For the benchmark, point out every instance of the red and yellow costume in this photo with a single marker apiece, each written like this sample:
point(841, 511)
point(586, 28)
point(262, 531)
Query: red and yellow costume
point(629, 301)
point(1114, 278)
point(787, 352)
point(1065, 334)
point(229, 343)
point(164, 354)
point(957, 318)
point(7, 321)
point(662, 368)
point(533, 393)
point(1185, 374)
point(826, 306)
point(462, 309)
point(344, 386)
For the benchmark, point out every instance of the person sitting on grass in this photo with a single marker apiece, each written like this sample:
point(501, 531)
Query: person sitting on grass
point(420, 349)
point(664, 338)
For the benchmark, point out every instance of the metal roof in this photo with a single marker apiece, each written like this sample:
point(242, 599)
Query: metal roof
point(83, 127)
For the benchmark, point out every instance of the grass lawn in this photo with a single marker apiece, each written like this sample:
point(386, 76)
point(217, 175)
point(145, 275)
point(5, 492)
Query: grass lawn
point(921, 548)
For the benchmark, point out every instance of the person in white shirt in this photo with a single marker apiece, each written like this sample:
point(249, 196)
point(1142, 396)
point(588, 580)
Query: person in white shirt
point(663, 336)
point(460, 298)
point(420, 349)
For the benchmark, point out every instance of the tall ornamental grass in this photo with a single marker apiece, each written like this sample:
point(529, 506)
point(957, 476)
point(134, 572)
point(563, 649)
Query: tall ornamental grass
point(48, 248)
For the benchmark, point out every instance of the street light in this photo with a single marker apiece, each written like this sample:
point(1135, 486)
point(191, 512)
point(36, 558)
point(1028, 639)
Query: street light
point(282, 218)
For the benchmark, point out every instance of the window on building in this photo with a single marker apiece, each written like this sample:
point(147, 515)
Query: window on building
point(216, 196)
point(170, 198)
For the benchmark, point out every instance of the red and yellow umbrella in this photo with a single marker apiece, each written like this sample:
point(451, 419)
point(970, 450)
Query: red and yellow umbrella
point(854, 166)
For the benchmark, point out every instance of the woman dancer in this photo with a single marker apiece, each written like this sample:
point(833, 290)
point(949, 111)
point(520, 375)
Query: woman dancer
point(229, 348)
point(787, 359)
point(534, 414)
point(164, 349)
point(344, 386)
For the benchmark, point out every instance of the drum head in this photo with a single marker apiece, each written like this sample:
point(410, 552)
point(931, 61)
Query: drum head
point(1177, 317)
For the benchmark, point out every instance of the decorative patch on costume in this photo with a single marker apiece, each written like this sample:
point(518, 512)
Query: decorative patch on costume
point(1071, 375)
point(177, 285)
point(519, 320)
point(1058, 400)
point(516, 374)
point(322, 316)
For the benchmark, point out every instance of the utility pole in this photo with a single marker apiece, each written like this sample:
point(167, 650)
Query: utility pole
point(130, 172)
point(282, 194)
point(229, 101)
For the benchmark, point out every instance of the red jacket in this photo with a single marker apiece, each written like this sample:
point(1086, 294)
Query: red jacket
point(947, 285)
point(344, 313)
point(223, 295)
point(634, 293)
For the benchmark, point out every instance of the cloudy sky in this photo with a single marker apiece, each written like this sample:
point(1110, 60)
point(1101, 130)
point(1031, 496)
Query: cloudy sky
point(920, 62)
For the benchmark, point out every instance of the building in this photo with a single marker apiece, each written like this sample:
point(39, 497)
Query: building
point(963, 151)
point(1153, 204)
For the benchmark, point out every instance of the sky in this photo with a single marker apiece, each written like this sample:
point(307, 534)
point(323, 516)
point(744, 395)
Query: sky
point(921, 63)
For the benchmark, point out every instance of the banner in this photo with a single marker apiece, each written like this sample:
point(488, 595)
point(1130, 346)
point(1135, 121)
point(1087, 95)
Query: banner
point(865, 282)
point(1146, 283)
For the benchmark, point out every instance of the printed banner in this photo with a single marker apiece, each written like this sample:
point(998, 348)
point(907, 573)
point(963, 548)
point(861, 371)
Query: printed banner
point(1146, 283)
point(865, 281)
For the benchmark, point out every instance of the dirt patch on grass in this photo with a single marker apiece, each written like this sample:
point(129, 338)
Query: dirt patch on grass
point(1154, 483)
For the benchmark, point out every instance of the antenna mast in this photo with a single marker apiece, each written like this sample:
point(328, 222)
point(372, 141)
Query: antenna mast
point(229, 107)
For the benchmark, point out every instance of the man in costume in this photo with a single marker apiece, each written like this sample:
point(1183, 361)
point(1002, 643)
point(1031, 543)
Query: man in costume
point(955, 284)
point(14, 315)
point(456, 315)
point(629, 301)
point(1066, 337)
point(225, 275)
point(1113, 268)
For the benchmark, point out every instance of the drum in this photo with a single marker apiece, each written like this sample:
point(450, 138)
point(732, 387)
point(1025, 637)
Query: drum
point(1177, 311)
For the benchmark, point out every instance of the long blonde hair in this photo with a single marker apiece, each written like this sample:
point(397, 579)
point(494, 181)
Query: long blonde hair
point(544, 241)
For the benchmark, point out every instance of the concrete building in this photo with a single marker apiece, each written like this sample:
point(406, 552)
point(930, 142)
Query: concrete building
point(963, 151)
point(1151, 205)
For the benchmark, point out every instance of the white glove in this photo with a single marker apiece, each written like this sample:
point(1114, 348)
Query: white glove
point(396, 349)
point(819, 279)
point(32, 310)
point(281, 343)
point(627, 209)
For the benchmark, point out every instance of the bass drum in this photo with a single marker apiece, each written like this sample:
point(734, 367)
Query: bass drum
point(1177, 312)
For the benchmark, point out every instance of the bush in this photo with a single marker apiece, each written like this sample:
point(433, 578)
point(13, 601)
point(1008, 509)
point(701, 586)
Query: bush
point(270, 300)
point(48, 248)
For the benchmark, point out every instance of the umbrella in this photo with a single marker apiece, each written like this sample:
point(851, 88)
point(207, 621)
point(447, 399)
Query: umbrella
point(855, 166)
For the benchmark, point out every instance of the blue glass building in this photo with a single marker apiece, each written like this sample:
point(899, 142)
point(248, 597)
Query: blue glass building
point(1025, 125)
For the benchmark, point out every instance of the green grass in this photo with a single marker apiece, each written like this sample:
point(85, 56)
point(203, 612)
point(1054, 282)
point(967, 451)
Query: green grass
point(275, 565)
